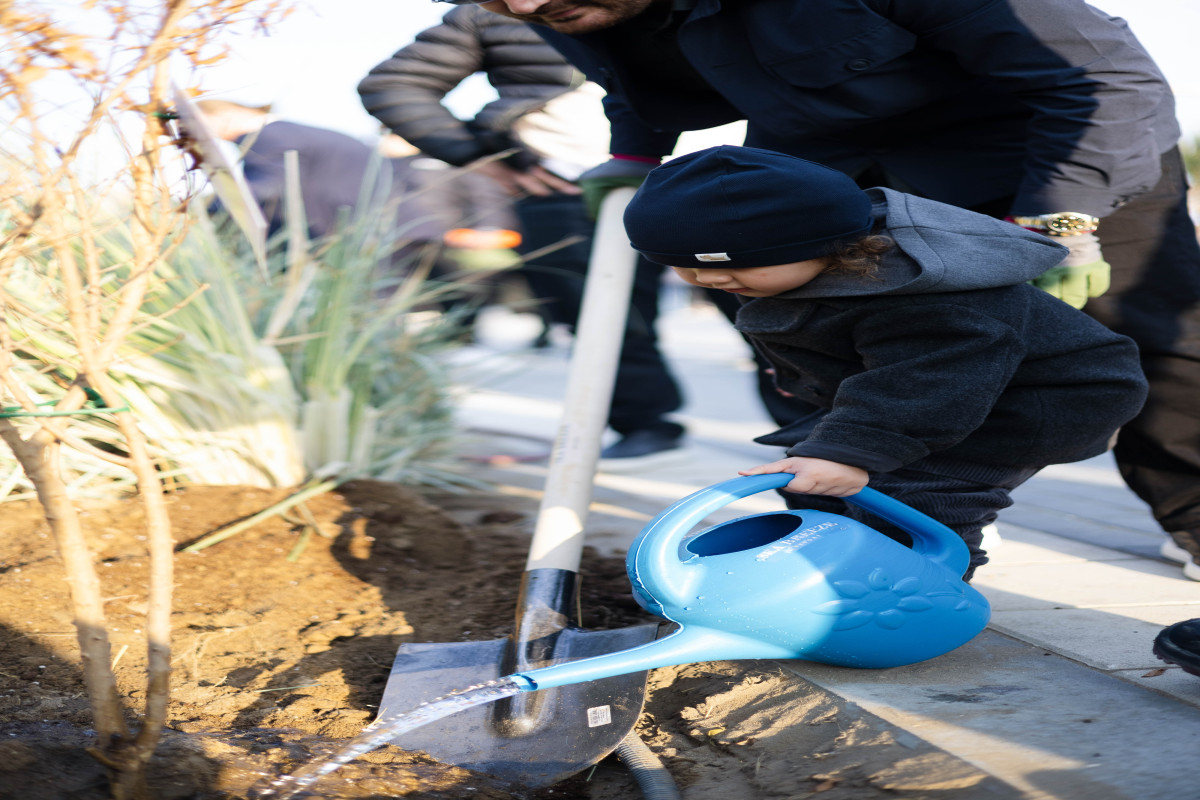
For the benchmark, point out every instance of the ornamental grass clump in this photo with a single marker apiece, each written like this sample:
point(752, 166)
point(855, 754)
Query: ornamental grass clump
point(326, 368)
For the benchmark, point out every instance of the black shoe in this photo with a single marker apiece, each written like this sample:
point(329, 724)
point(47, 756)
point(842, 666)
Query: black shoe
point(641, 450)
point(1179, 644)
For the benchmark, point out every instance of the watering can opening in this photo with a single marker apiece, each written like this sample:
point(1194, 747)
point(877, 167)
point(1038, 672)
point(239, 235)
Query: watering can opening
point(745, 533)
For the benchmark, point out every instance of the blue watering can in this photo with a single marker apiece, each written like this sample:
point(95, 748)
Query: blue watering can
point(800, 584)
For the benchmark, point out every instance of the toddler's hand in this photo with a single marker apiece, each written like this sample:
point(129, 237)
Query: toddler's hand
point(815, 476)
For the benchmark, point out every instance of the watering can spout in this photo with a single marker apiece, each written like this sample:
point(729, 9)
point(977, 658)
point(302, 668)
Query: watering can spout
point(685, 646)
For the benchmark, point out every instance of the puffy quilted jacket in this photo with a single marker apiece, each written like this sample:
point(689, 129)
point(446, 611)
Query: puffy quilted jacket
point(405, 92)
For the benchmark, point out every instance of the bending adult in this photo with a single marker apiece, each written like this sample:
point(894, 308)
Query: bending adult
point(1046, 111)
point(552, 127)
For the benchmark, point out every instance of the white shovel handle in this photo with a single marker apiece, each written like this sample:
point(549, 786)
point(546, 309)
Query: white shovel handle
point(558, 535)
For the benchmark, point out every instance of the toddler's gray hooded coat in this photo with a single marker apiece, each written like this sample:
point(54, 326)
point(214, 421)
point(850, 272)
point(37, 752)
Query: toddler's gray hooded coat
point(948, 350)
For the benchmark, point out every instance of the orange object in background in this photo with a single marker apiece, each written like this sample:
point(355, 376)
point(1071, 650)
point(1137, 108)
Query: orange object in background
point(482, 238)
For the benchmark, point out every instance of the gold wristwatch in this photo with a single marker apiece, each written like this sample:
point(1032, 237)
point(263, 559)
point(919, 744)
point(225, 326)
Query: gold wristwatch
point(1064, 223)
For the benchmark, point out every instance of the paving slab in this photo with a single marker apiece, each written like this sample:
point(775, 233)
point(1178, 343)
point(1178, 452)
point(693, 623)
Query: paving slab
point(1169, 681)
point(1085, 584)
point(1042, 723)
point(1074, 632)
point(1020, 545)
point(1088, 502)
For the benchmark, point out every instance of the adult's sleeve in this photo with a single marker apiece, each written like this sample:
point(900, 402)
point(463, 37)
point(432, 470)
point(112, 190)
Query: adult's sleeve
point(405, 92)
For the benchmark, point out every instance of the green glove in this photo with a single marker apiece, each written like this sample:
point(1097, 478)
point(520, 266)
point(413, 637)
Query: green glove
point(1082, 274)
point(612, 174)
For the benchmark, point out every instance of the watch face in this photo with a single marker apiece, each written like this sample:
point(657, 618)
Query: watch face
point(1070, 223)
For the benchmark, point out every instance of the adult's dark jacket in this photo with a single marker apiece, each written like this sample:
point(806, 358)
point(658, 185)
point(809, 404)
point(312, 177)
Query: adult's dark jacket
point(948, 350)
point(966, 101)
point(332, 166)
point(405, 92)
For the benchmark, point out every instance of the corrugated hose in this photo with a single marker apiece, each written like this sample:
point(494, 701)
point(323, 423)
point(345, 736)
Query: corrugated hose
point(651, 776)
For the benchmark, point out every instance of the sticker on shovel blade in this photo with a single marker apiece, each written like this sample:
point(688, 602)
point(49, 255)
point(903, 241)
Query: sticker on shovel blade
point(599, 715)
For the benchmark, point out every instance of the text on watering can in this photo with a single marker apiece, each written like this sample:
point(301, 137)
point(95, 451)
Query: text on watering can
point(795, 541)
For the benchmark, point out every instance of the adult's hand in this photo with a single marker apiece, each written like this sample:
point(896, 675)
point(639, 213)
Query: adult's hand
point(536, 180)
point(612, 174)
point(1082, 274)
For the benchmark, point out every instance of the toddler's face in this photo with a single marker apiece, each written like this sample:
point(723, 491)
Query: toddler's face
point(755, 281)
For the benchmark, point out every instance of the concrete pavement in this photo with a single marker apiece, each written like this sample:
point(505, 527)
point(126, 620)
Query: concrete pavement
point(1060, 697)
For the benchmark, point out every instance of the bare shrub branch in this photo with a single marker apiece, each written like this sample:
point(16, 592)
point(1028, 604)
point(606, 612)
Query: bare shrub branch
point(53, 218)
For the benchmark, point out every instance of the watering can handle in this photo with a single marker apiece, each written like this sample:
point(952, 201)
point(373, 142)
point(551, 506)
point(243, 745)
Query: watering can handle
point(931, 538)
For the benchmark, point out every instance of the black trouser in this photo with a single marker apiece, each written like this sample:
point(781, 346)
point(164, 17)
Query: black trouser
point(1155, 300)
point(962, 496)
point(644, 390)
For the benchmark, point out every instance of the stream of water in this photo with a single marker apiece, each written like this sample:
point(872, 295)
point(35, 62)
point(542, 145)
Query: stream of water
point(381, 732)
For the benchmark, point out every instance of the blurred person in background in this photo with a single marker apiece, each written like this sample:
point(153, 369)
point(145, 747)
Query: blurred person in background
point(332, 164)
point(552, 126)
point(458, 223)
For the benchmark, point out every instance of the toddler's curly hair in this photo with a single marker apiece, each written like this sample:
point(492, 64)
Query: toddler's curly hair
point(860, 257)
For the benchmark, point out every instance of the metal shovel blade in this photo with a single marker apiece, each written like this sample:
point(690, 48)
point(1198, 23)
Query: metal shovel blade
point(534, 739)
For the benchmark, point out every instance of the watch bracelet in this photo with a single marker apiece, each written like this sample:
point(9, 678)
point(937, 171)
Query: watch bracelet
point(1079, 223)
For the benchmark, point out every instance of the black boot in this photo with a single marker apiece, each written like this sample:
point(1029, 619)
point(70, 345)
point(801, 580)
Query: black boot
point(1179, 644)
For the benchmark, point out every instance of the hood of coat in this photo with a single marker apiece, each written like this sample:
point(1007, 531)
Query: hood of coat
point(940, 248)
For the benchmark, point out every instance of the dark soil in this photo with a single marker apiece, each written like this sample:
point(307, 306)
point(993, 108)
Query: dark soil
point(277, 661)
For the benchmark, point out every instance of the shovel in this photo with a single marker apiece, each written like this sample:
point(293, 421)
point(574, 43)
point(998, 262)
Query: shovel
point(540, 738)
